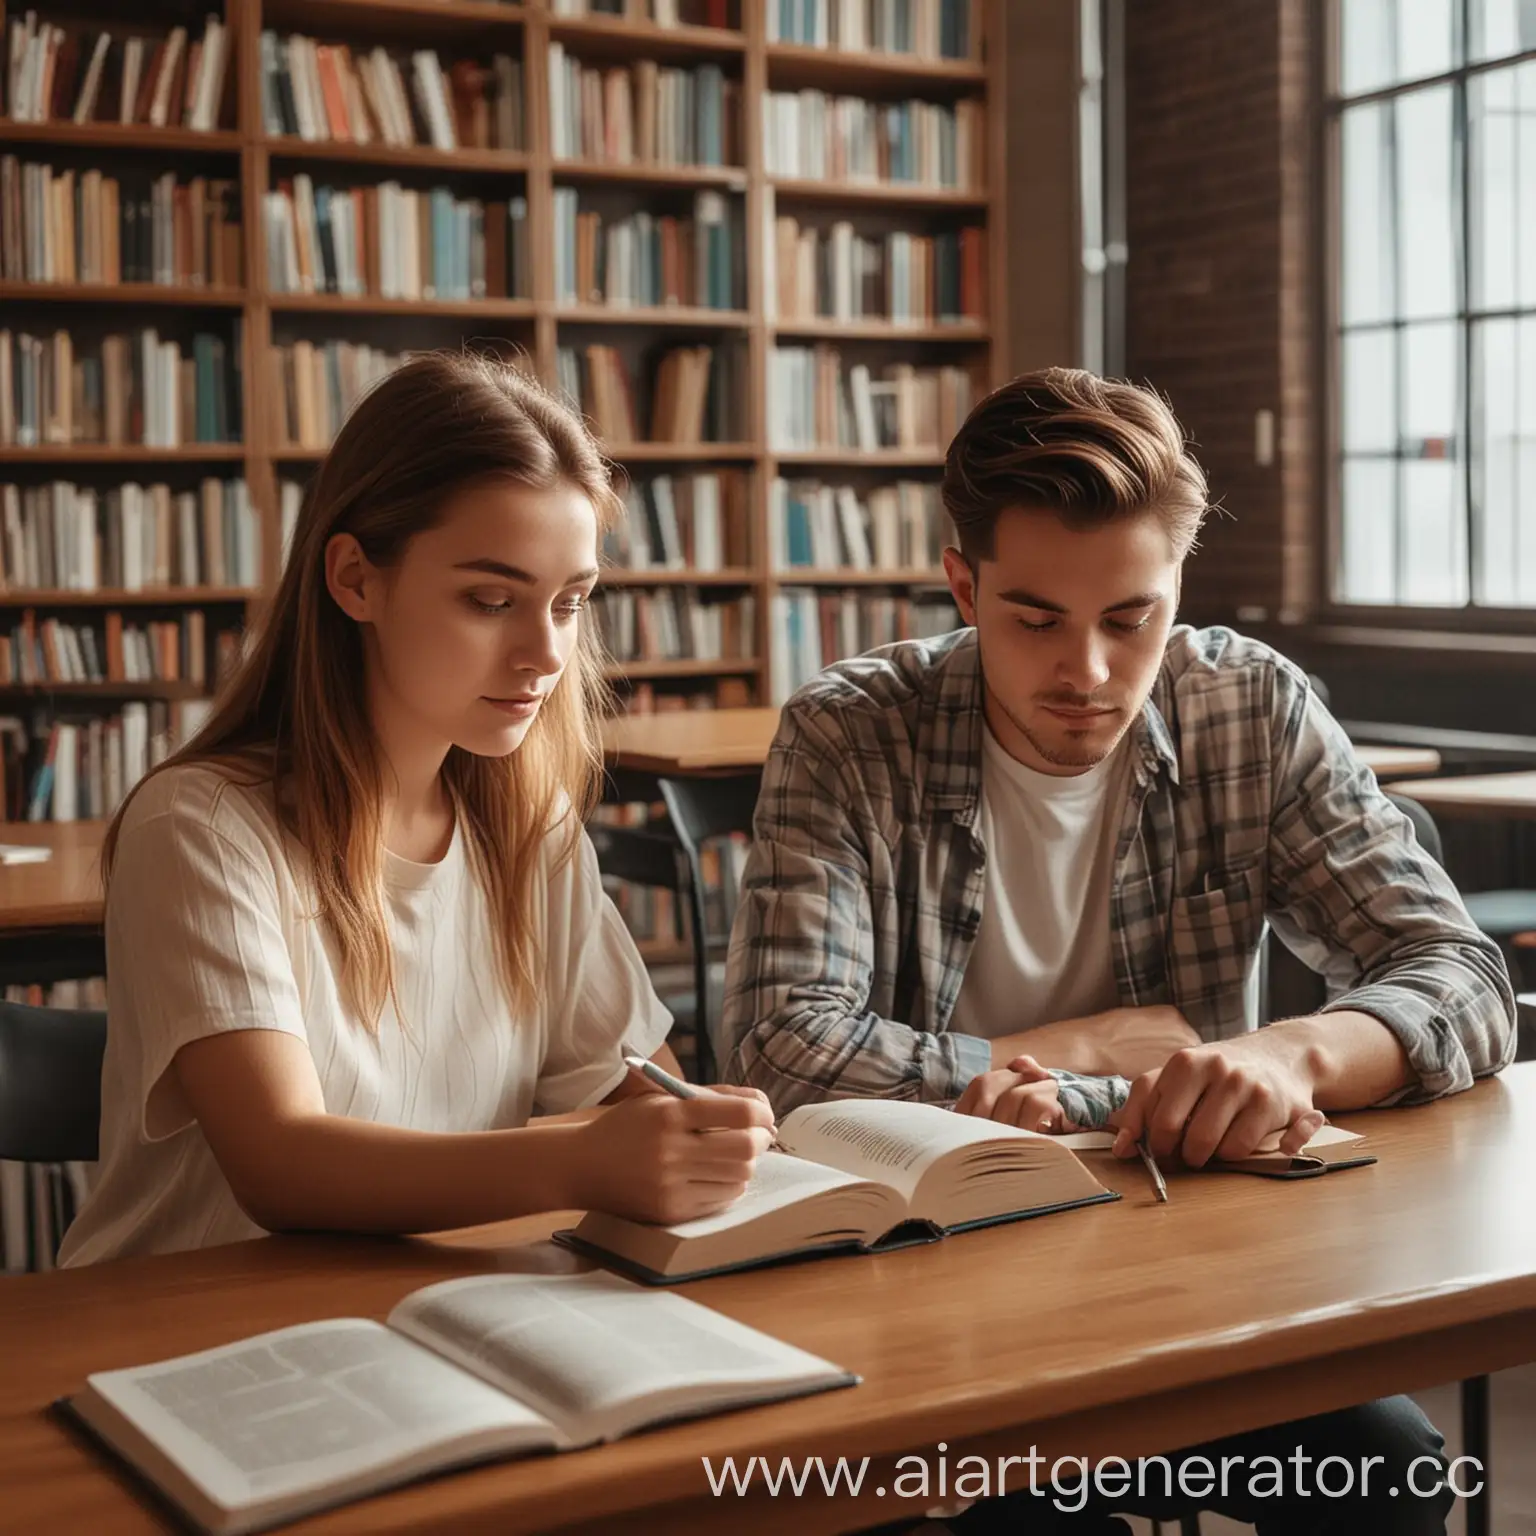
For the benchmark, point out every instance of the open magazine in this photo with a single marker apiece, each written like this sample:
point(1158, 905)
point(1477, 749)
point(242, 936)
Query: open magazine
point(259, 1432)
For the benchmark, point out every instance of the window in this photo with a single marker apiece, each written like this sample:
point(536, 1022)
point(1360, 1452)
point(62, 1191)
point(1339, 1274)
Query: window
point(1433, 133)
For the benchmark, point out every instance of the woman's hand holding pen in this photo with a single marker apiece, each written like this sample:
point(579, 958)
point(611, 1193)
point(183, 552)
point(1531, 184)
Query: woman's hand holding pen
point(644, 1157)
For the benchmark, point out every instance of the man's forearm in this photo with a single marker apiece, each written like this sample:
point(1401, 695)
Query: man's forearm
point(1067, 1044)
point(1121, 1042)
point(1351, 1059)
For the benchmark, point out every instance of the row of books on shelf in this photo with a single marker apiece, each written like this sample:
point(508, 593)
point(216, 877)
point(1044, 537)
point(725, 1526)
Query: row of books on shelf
point(76, 538)
point(88, 75)
point(815, 401)
point(316, 384)
point(322, 92)
point(809, 630)
point(79, 767)
point(675, 624)
point(900, 527)
point(68, 226)
point(394, 242)
point(134, 388)
point(42, 651)
point(38, 1200)
point(930, 29)
point(648, 259)
point(644, 112)
point(662, 13)
point(682, 523)
point(839, 274)
point(813, 136)
point(696, 394)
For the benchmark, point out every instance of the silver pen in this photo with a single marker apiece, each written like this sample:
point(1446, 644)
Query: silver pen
point(675, 1085)
point(1158, 1185)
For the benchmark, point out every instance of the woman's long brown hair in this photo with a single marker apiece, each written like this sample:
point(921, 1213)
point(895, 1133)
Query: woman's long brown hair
point(293, 715)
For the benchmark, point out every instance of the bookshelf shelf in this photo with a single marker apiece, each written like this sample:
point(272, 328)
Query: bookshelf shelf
point(963, 333)
point(340, 304)
point(646, 174)
point(882, 194)
point(790, 577)
point(116, 597)
point(66, 134)
point(735, 576)
point(147, 294)
point(853, 458)
point(425, 19)
point(693, 316)
point(118, 690)
point(681, 453)
point(794, 64)
point(398, 156)
point(646, 36)
point(689, 668)
point(123, 453)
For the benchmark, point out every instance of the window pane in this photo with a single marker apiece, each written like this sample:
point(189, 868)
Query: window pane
point(1426, 38)
point(1431, 392)
point(1495, 188)
point(1499, 27)
point(1434, 520)
point(1368, 556)
point(1369, 289)
point(1428, 219)
point(1525, 165)
point(1370, 391)
point(1383, 42)
point(1504, 459)
point(1365, 45)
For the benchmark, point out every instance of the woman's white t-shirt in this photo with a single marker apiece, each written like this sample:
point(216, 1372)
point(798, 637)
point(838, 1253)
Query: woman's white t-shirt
point(211, 927)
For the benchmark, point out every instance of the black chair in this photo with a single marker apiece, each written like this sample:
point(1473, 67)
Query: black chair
point(702, 809)
point(48, 956)
point(50, 1083)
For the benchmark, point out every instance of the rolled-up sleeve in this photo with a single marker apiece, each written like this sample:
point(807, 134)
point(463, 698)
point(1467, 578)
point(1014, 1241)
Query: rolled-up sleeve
point(1348, 872)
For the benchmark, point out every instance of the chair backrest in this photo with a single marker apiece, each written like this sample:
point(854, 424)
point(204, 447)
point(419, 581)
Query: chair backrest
point(1423, 824)
point(701, 809)
point(638, 855)
point(50, 1083)
point(704, 808)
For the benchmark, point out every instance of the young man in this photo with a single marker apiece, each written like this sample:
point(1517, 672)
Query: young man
point(1026, 868)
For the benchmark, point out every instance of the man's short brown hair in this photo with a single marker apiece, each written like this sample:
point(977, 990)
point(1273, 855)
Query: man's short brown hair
point(1066, 441)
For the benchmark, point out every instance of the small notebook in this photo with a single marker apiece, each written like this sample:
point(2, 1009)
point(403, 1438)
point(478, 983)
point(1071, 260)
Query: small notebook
point(256, 1433)
point(1332, 1149)
point(856, 1174)
point(24, 853)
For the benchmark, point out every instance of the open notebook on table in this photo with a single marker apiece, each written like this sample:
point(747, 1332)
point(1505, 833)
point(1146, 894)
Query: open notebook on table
point(856, 1174)
point(256, 1433)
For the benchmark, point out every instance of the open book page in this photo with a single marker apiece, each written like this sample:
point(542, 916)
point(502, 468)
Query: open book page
point(599, 1355)
point(311, 1406)
point(780, 1179)
point(893, 1141)
point(1328, 1136)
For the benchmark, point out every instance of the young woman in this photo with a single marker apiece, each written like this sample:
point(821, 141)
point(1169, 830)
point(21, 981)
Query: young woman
point(355, 934)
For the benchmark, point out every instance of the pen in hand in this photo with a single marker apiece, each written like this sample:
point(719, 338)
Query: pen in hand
point(673, 1085)
point(1158, 1185)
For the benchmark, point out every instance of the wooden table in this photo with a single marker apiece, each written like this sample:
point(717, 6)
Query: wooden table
point(737, 741)
point(1479, 794)
point(65, 892)
point(1122, 1329)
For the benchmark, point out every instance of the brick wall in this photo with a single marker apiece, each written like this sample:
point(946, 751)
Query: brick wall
point(1219, 152)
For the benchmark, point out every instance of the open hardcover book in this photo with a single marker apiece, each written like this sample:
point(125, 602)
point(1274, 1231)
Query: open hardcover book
point(255, 1433)
point(857, 1173)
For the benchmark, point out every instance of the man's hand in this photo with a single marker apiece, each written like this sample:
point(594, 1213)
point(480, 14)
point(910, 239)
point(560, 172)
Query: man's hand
point(1023, 1093)
point(1222, 1100)
point(1122, 1042)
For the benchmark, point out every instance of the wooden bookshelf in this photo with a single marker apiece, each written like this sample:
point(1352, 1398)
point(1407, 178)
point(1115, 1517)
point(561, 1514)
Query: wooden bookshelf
point(118, 597)
point(152, 689)
point(478, 28)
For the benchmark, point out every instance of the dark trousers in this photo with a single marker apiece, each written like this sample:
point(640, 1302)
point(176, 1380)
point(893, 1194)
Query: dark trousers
point(1276, 1497)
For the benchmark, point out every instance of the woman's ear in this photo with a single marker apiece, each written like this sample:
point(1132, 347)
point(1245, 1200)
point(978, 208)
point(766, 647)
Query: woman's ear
point(350, 578)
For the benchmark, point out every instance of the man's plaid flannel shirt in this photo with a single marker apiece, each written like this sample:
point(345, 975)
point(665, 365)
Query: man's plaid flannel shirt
point(863, 892)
